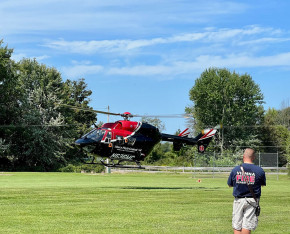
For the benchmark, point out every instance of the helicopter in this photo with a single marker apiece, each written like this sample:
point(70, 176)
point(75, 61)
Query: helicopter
point(131, 141)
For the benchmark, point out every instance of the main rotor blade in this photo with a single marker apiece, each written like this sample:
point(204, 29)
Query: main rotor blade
point(188, 116)
point(166, 116)
point(89, 110)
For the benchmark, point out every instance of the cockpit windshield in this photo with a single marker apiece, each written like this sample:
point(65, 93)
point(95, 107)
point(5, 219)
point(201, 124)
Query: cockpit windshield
point(96, 134)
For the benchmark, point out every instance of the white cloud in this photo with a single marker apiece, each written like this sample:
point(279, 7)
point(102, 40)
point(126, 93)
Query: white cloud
point(41, 57)
point(17, 57)
point(63, 15)
point(169, 71)
point(108, 46)
point(142, 70)
point(240, 61)
point(264, 40)
point(80, 71)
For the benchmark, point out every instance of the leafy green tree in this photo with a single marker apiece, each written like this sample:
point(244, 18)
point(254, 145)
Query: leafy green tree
point(59, 126)
point(75, 93)
point(276, 135)
point(161, 152)
point(283, 117)
point(38, 141)
point(221, 96)
point(9, 102)
point(288, 150)
point(8, 87)
point(35, 132)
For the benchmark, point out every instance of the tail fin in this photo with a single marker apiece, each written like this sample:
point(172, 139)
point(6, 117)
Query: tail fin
point(178, 144)
point(184, 133)
point(205, 138)
point(202, 145)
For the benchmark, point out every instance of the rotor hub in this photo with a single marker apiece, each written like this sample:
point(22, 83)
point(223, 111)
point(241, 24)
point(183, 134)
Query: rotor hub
point(126, 115)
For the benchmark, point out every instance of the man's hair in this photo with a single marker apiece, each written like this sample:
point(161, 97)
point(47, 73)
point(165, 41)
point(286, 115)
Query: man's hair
point(249, 153)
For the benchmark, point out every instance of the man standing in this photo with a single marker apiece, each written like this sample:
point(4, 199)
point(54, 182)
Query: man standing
point(243, 179)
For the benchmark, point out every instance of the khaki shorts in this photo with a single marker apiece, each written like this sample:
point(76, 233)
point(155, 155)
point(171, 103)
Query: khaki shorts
point(244, 214)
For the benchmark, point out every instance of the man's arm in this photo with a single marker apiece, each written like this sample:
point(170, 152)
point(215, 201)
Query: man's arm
point(230, 180)
point(263, 183)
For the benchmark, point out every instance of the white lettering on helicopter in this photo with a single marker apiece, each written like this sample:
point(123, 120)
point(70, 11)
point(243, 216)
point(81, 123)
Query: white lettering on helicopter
point(122, 156)
point(122, 148)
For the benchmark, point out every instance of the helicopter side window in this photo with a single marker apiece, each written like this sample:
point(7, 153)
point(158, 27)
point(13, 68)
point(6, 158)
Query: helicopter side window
point(119, 138)
point(108, 137)
point(87, 134)
point(131, 141)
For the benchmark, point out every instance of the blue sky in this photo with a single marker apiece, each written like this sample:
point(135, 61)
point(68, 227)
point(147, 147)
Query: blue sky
point(144, 56)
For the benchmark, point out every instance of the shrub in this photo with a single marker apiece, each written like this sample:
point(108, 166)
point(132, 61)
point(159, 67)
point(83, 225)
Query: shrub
point(68, 168)
point(91, 168)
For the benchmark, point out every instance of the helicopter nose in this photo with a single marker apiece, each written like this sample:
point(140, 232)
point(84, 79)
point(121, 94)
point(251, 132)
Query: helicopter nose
point(84, 142)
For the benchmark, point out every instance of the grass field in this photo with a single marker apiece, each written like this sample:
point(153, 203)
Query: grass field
point(131, 203)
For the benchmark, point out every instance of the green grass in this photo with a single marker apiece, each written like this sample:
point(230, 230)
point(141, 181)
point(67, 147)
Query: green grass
point(130, 203)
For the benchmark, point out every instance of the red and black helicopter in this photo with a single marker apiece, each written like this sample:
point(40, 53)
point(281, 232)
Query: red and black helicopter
point(131, 141)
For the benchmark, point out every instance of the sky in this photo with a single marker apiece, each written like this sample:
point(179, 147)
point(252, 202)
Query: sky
point(144, 56)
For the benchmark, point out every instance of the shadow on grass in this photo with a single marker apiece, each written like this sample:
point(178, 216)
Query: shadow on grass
point(169, 188)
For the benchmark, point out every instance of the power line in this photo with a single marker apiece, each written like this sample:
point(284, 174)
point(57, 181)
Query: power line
point(80, 124)
point(39, 125)
point(253, 126)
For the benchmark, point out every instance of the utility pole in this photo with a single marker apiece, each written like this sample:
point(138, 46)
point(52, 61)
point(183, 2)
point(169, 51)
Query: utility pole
point(108, 118)
point(108, 169)
point(277, 164)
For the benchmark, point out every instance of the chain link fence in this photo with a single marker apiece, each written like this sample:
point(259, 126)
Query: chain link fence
point(221, 160)
point(219, 163)
point(212, 165)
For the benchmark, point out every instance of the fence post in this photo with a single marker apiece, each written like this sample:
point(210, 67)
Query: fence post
point(108, 169)
point(194, 165)
point(277, 164)
point(213, 161)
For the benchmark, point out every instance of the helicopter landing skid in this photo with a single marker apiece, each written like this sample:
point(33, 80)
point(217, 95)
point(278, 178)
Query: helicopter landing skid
point(118, 165)
point(114, 165)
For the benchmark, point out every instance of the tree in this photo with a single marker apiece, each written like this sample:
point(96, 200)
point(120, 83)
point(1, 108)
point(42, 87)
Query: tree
point(35, 132)
point(284, 114)
point(55, 128)
point(9, 104)
point(75, 93)
point(276, 134)
point(8, 87)
point(221, 96)
point(38, 139)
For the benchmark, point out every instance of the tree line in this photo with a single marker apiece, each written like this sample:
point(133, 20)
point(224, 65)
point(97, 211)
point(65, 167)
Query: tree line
point(36, 132)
